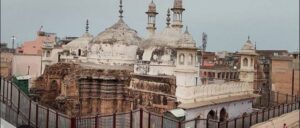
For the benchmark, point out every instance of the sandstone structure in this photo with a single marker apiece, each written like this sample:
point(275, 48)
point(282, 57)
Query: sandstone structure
point(80, 90)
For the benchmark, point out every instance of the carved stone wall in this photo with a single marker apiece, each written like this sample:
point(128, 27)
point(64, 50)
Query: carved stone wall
point(75, 90)
point(156, 94)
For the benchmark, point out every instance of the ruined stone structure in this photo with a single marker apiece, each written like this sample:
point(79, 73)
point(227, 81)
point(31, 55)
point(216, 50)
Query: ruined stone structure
point(156, 94)
point(6, 55)
point(6, 64)
point(80, 90)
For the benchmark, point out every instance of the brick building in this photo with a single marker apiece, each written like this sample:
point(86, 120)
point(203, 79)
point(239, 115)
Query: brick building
point(6, 60)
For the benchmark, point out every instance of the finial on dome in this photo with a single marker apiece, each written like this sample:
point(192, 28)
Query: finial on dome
point(248, 37)
point(255, 45)
point(186, 30)
point(121, 10)
point(168, 18)
point(87, 26)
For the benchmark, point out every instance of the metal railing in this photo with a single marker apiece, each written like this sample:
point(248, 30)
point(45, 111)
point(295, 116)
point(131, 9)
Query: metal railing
point(18, 109)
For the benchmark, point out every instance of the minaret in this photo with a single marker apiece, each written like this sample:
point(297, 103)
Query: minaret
point(151, 19)
point(87, 26)
point(177, 14)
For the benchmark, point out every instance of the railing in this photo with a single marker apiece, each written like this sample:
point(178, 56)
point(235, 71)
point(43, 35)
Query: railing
point(211, 91)
point(18, 109)
point(256, 117)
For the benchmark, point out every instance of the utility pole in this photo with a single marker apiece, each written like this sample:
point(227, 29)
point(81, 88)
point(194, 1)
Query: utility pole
point(13, 38)
point(293, 78)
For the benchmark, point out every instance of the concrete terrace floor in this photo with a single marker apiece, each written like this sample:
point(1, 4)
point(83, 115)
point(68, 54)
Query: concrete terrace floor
point(291, 119)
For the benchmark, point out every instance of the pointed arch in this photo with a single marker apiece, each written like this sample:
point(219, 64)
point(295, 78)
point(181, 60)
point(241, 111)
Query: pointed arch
point(223, 115)
point(181, 59)
point(245, 62)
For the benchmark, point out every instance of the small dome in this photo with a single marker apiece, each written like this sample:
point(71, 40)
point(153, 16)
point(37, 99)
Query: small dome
point(79, 43)
point(118, 33)
point(152, 7)
point(177, 3)
point(168, 37)
point(248, 48)
point(248, 45)
point(186, 41)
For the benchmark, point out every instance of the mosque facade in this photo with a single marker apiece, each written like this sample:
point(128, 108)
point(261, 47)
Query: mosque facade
point(118, 71)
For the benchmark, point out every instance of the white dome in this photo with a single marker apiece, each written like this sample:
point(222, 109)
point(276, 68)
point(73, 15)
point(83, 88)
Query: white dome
point(248, 48)
point(186, 41)
point(79, 43)
point(116, 45)
point(162, 47)
point(168, 37)
point(152, 7)
point(118, 33)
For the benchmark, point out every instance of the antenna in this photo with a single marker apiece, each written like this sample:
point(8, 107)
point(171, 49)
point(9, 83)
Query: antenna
point(13, 38)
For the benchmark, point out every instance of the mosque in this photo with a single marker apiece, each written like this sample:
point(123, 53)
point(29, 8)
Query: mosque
point(118, 71)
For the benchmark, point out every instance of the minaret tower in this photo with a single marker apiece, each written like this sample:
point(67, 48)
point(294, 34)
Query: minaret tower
point(151, 19)
point(177, 14)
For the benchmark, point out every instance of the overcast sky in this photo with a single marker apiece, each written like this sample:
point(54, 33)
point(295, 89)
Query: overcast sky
point(273, 24)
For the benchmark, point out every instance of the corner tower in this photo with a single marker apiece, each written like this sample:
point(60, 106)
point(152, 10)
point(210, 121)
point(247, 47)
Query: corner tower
point(247, 59)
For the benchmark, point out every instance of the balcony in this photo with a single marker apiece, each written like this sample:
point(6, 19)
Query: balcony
point(191, 94)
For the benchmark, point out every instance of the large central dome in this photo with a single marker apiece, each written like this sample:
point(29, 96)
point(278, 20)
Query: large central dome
point(116, 45)
point(170, 37)
point(118, 33)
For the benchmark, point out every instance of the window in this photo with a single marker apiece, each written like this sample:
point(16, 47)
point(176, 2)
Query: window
point(156, 99)
point(245, 62)
point(165, 101)
point(53, 85)
point(48, 54)
point(181, 59)
point(79, 52)
point(191, 59)
point(251, 62)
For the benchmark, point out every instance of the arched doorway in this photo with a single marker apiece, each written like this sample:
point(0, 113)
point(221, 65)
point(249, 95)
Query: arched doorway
point(79, 52)
point(53, 85)
point(211, 115)
point(223, 115)
point(212, 119)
